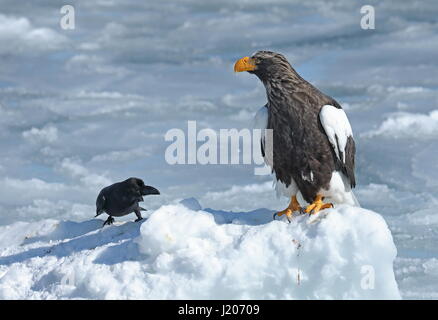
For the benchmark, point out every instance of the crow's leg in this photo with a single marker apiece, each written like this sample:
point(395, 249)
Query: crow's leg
point(109, 221)
point(138, 214)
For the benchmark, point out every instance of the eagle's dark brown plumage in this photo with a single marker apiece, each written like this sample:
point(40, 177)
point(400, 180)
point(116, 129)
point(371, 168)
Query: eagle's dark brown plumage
point(302, 151)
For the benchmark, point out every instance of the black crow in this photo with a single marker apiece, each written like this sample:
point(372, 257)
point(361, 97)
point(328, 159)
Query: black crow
point(122, 198)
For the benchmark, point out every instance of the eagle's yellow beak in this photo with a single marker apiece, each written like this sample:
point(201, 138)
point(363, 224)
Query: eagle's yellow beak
point(244, 64)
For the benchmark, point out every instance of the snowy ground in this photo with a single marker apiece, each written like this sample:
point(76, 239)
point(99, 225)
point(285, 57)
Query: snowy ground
point(81, 109)
point(181, 253)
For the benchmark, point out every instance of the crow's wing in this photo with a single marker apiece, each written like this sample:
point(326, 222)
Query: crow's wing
point(100, 203)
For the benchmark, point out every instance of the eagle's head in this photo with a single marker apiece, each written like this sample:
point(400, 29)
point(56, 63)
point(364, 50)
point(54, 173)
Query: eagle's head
point(266, 65)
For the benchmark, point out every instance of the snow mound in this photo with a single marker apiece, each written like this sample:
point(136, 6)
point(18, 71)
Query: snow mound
point(191, 203)
point(179, 253)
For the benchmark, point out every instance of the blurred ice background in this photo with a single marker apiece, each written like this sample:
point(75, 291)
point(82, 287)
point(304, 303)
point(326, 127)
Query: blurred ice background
point(83, 108)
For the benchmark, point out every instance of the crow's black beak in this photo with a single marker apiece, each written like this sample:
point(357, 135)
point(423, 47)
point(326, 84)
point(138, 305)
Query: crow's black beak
point(149, 190)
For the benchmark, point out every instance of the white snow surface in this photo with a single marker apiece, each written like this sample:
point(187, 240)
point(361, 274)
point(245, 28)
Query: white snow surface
point(180, 253)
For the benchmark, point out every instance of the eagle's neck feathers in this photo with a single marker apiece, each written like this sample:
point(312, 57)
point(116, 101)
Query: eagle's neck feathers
point(281, 88)
point(286, 89)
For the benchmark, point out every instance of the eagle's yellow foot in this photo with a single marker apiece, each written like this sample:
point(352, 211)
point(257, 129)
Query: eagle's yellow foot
point(293, 206)
point(317, 205)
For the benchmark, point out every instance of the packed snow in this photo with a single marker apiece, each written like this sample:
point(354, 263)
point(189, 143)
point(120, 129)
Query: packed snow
point(183, 252)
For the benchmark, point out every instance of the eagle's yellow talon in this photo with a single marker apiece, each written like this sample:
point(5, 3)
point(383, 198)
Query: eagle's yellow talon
point(288, 212)
point(309, 208)
point(317, 205)
point(293, 206)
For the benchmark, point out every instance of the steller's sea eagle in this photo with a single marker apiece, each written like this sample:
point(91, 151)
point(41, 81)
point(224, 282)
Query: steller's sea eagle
point(313, 148)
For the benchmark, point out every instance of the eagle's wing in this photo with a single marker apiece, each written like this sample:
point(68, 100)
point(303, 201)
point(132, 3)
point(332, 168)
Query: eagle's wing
point(266, 143)
point(261, 122)
point(339, 133)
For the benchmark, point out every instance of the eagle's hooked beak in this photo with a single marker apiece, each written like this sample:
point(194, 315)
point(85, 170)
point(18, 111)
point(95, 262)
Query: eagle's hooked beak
point(244, 64)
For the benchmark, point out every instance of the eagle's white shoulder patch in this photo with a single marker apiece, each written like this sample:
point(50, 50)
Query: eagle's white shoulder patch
point(337, 128)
